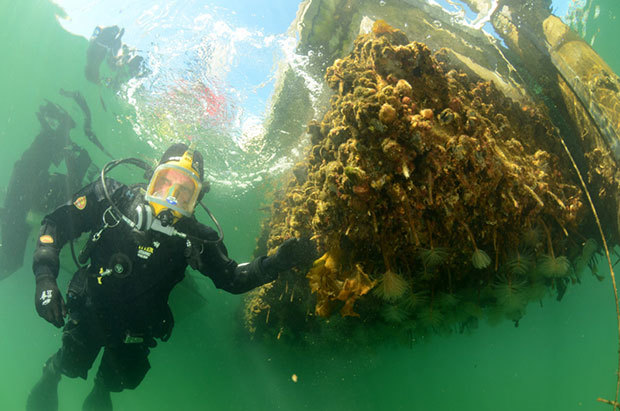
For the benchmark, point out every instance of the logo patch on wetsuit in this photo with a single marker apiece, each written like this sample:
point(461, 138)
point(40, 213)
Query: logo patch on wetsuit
point(80, 203)
point(46, 239)
point(144, 252)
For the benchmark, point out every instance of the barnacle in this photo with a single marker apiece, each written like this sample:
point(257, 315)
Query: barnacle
point(387, 114)
point(416, 169)
point(426, 113)
point(403, 88)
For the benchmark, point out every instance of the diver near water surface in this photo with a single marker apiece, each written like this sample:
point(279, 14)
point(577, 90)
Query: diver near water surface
point(141, 241)
point(105, 44)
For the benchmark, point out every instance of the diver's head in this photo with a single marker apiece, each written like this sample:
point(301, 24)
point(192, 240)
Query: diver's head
point(176, 184)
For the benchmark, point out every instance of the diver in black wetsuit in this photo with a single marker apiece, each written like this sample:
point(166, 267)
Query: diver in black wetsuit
point(32, 187)
point(106, 44)
point(141, 243)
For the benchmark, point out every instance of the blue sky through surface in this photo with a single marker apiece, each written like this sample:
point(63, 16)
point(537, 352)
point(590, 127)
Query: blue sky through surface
point(147, 21)
point(232, 48)
point(229, 50)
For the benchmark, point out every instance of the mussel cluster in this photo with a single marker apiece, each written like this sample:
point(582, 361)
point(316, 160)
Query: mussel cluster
point(434, 201)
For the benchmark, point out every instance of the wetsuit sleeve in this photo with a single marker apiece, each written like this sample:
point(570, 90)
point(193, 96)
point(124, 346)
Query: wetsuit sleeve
point(227, 274)
point(81, 214)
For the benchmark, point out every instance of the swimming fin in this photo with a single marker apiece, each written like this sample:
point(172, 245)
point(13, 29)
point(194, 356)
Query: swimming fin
point(44, 395)
point(98, 400)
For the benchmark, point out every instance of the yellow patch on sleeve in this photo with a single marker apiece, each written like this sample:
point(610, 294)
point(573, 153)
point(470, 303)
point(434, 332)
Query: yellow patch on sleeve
point(46, 239)
point(80, 203)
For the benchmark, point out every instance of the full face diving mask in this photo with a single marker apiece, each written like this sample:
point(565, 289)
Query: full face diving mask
point(174, 188)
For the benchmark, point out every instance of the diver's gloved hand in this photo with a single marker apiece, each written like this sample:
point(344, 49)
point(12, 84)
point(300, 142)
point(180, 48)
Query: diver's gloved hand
point(294, 252)
point(49, 302)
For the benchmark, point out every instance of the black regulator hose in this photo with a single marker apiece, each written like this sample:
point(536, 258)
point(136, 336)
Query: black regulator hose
point(217, 224)
point(109, 166)
point(106, 168)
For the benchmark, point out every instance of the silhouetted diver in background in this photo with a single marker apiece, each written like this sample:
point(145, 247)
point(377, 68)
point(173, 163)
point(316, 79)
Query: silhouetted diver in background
point(105, 43)
point(32, 187)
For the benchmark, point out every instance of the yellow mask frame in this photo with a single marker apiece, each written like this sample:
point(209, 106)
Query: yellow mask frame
point(175, 185)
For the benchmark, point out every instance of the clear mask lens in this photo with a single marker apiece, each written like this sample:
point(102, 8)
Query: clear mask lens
point(175, 188)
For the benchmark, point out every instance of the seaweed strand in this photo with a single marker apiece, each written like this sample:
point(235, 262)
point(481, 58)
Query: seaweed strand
point(611, 268)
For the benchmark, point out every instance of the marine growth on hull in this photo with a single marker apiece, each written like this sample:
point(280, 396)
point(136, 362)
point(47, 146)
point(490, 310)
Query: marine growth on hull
point(434, 201)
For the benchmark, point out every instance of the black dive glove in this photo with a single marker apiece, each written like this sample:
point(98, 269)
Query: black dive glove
point(294, 252)
point(48, 301)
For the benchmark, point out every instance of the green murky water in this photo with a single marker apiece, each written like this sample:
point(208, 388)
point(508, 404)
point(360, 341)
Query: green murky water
point(561, 357)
